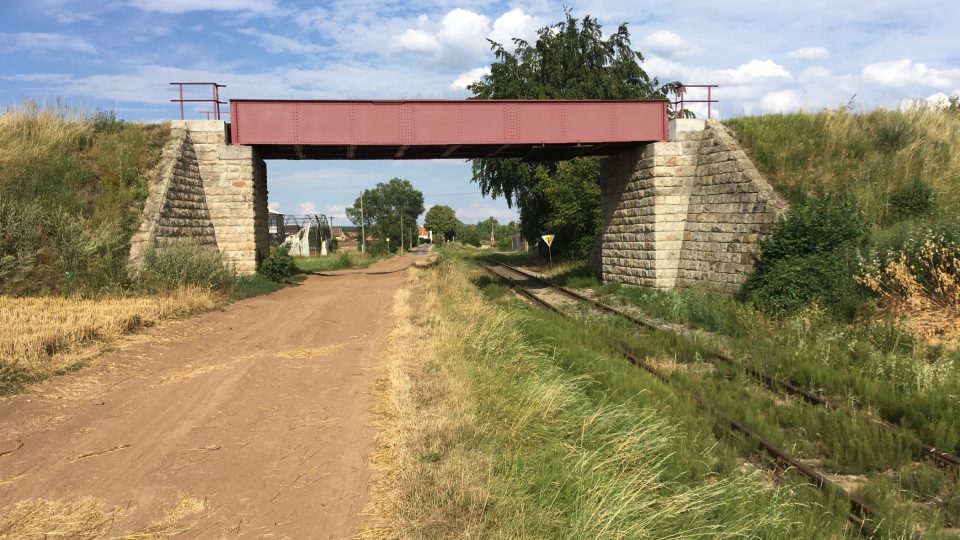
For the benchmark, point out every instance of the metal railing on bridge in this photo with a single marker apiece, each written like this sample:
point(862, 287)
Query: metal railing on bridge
point(680, 99)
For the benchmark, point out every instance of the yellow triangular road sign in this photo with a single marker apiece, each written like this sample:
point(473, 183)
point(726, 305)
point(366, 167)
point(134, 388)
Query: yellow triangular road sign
point(548, 238)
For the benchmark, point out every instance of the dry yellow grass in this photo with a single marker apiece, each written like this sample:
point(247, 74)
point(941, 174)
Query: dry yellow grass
point(420, 407)
point(34, 331)
point(33, 130)
point(929, 308)
point(90, 518)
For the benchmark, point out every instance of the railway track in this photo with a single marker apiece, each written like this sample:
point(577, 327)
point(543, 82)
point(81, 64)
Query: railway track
point(942, 458)
point(863, 516)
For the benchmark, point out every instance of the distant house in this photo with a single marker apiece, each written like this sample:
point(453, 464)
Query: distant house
point(291, 229)
point(424, 234)
point(337, 232)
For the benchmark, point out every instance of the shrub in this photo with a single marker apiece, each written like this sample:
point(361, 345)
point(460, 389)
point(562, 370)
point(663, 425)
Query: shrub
point(920, 279)
point(792, 283)
point(184, 264)
point(278, 265)
point(106, 122)
point(810, 257)
point(917, 257)
point(344, 260)
point(912, 200)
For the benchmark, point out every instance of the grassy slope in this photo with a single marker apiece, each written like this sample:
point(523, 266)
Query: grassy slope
point(871, 154)
point(71, 191)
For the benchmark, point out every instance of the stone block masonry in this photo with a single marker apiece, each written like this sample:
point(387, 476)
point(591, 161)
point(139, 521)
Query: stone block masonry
point(227, 189)
point(683, 212)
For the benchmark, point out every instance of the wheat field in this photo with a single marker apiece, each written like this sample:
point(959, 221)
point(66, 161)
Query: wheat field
point(36, 331)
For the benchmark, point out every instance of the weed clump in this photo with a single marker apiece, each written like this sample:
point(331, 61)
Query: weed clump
point(278, 265)
point(185, 265)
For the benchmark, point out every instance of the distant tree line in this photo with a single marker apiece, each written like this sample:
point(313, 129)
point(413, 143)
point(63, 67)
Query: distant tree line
point(443, 221)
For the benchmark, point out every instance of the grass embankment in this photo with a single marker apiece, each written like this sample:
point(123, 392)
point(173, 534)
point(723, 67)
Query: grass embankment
point(71, 191)
point(899, 172)
point(72, 187)
point(502, 421)
point(878, 156)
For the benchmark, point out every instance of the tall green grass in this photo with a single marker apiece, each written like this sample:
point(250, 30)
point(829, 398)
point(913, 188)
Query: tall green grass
point(878, 156)
point(576, 443)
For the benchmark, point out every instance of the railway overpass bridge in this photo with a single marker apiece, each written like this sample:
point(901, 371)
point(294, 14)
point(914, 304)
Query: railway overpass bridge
point(681, 201)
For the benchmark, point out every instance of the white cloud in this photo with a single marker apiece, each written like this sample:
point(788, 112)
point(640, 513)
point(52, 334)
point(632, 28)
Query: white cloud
point(460, 36)
point(463, 28)
point(759, 69)
point(44, 41)
point(276, 44)
point(186, 6)
point(809, 53)
point(515, 24)
point(468, 78)
point(666, 43)
point(814, 72)
point(904, 72)
point(273, 206)
point(749, 72)
point(64, 16)
point(308, 208)
point(938, 100)
point(416, 41)
point(781, 101)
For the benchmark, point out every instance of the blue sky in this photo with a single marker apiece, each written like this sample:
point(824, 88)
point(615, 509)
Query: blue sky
point(768, 56)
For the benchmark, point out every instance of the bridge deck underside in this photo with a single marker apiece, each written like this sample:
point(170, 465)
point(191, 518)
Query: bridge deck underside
point(534, 130)
point(526, 151)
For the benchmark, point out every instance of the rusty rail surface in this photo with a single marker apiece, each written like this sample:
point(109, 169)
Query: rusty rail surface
point(862, 514)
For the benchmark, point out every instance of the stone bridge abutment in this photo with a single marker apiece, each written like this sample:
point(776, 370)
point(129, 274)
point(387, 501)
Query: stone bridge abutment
point(686, 211)
point(207, 192)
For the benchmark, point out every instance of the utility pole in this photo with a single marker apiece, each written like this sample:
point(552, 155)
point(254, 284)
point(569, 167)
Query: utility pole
point(401, 232)
point(363, 229)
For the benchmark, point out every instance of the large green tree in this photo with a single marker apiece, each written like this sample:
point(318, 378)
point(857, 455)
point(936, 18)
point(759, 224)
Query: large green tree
point(569, 60)
point(383, 207)
point(442, 220)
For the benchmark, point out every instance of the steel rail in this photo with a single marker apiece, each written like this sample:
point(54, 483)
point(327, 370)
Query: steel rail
point(862, 511)
point(944, 459)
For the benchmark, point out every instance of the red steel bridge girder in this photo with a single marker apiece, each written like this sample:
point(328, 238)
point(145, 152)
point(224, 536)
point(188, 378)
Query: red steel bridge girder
point(433, 129)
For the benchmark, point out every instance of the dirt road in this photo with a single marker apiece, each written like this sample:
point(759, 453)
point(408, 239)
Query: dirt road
point(261, 409)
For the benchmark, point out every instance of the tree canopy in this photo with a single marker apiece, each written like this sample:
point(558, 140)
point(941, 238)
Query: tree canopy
point(569, 60)
point(382, 207)
point(442, 220)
